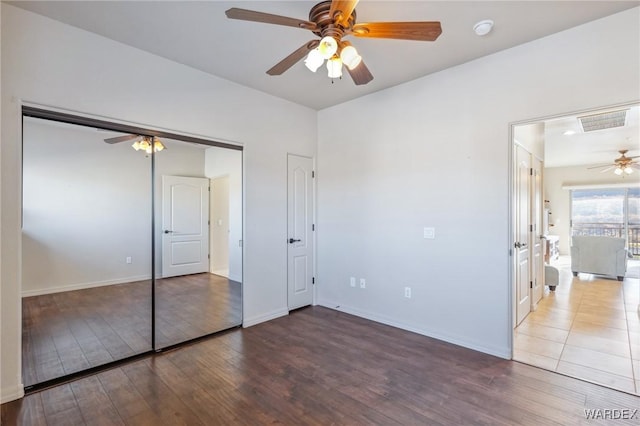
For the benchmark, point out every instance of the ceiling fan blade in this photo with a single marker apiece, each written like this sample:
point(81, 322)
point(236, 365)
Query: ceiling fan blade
point(360, 74)
point(268, 18)
point(293, 58)
point(119, 139)
point(341, 10)
point(422, 31)
point(607, 169)
point(601, 165)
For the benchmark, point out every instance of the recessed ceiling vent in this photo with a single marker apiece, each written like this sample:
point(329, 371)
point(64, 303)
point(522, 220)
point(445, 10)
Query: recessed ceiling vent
point(607, 120)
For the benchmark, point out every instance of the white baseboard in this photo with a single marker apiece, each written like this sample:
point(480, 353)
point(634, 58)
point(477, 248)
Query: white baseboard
point(83, 286)
point(11, 393)
point(456, 340)
point(248, 322)
point(236, 278)
point(221, 272)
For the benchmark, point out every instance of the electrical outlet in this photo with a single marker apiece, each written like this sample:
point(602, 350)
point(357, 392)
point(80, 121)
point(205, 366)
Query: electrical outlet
point(128, 259)
point(352, 281)
point(363, 283)
point(407, 292)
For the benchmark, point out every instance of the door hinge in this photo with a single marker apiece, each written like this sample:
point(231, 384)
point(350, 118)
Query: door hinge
point(313, 173)
point(530, 228)
point(530, 284)
point(531, 171)
point(313, 226)
point(208, 256)
point(313, 280)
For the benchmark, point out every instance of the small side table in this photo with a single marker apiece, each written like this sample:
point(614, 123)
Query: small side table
point(552, 250)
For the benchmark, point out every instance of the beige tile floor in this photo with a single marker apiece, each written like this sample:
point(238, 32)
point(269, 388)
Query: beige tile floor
point(588, 328)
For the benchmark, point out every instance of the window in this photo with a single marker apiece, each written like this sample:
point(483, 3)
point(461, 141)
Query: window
point(611, 212)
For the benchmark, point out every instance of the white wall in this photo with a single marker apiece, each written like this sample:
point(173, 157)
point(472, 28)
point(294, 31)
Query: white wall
point(225, 162)
point(531, 137)
point(48, 63)
point(560, 199)
point(86, 207)
point(435, 152)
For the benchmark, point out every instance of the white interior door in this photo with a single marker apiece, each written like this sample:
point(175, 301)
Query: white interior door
point(300, 231)
point(535, 236)
point(522, 233)
point(185, 225)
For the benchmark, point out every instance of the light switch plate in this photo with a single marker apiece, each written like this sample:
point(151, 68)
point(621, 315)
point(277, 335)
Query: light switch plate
point(429, 233)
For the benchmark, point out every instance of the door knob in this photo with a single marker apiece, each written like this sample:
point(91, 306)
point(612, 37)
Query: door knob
point(166, 231)
point(291, 241)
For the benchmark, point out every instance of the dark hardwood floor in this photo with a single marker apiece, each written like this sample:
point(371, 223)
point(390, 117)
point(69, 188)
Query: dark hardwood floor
point(319, 367)
point(64, 333)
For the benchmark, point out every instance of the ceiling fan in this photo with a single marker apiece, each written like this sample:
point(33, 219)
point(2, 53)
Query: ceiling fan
point(621, 165)
point(332, 21)
point(145, 143)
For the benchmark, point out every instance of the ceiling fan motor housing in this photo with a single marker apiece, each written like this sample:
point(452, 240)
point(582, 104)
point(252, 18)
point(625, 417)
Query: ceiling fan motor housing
point(321, 15)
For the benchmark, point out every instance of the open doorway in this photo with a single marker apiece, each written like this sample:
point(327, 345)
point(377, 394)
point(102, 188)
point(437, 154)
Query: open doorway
point(586, 322)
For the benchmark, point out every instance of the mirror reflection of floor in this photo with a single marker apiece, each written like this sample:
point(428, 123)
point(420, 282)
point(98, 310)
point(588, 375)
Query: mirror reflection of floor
point(67, 332)
point(588, 328)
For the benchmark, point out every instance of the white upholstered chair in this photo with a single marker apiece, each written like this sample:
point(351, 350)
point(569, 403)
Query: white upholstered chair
point(599, 255)
point(551, 277)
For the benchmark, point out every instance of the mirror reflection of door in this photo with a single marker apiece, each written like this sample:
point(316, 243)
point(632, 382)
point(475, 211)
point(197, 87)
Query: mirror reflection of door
point(192, 298)
point(86, 250)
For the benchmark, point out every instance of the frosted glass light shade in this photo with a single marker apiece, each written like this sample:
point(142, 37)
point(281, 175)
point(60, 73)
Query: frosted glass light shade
point(628, 170)
point(157, 145)
point(350, 57)
point(618, 171)
point(314, 60)
point(328, 47)
point(334, 65)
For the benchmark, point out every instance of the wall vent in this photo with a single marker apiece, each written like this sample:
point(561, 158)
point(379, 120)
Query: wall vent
point(607, 120)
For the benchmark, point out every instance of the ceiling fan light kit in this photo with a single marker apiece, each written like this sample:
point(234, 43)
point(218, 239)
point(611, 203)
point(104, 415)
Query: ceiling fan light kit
point(147, 144)
point(332, 21)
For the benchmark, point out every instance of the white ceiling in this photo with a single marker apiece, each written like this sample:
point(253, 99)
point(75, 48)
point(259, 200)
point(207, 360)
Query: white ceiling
point(198, 34)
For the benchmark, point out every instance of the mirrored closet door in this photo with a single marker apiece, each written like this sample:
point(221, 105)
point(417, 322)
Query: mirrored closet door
point(199, 241)
point(86, 250)
point(131, 243)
